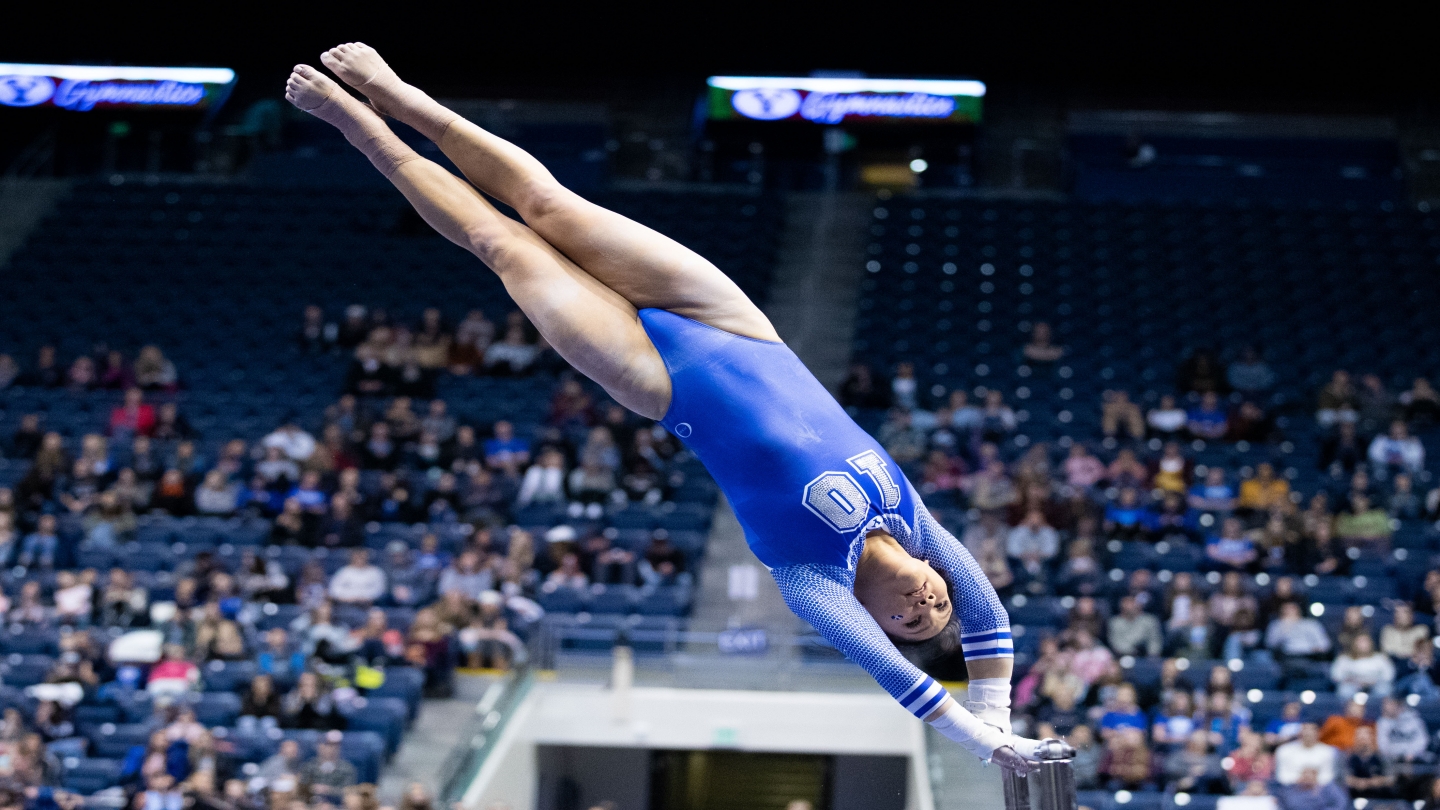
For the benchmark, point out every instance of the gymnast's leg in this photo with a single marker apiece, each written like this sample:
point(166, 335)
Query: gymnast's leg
point(594, 328)
point(647, 268)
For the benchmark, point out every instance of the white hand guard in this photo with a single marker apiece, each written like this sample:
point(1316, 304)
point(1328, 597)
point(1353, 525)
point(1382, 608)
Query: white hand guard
point(979, 737)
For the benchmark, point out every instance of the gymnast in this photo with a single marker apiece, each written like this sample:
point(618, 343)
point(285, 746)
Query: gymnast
point(854, 551)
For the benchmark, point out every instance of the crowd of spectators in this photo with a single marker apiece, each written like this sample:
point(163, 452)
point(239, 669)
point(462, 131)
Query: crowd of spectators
point(465, 596)
point(1060, 522)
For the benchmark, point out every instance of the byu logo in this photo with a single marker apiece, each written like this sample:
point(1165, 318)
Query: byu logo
point(767, 103)
point(25, 91)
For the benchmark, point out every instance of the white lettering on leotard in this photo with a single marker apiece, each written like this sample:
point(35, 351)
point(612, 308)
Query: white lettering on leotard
point(869, 463)
point(836, 497)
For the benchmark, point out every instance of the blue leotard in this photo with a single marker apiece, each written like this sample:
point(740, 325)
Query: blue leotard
point(807, 485)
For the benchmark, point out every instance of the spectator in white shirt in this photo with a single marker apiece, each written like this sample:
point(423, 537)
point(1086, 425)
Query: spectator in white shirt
point(1296, 756)
point(1362, 668)
point(1033, 542)
point(1398, 451)
point(1292, 635)
point(295, 443)
point(1168, 420)
point(360, 582)
point(544, 482)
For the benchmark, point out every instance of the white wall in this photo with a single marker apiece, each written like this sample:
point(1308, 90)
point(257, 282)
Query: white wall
point(696, 719)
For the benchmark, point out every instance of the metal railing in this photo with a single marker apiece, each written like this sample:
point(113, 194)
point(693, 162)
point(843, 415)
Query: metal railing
point(479, 740)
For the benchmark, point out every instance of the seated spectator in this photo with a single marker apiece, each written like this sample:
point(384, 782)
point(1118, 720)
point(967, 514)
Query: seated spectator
point(1397, 451)
point(860, 389)
point(567, 575)
point(1213, 495)
point(1034, 542)
point(1264, 491)
point(1368, 774)
point(1127, 763)
point(1306, 753)
point(1399, 637)
point(82, 375)
point(1040, 350)
point(985, 539)
point(591, 483)
point(1404, 502)
point(991, 489)
point(904, 387)
point(1172, 472)
point(1286, 727)
point(1193, 768)
point(1126, 518)
point(997, 420)
point(1363, 524)
point(487, 640)
point(1208, 420)
point(1174, 722)
point(1401, 735)
point(1088, 756)
point(286, 761)
point(310, 705)
point(327, 775)
point(1167, 420)
point(505, 450)
point(1201, 373)
point(1119, 415)
point(663, 563)
point(1375, 404)
point(1134, 632)
point(25, 441)
point(358, 583)
point(133, 417)
point(511, 356)
point(9, 371)
point(1421, 403)
point(1250, 374)
point(293, 442)
point(1291, 635)
point(1249, 423)
point(1250, 761)
point(1339, 729)
point(174, 675)
point(41, 545)
point(901, 438)
point(1083, 470)
point(1197, 639)
point(1123, 714)
point(1231, 600)
point(153, 371)
point(1308, 792)
point(1231, 549)
point(1337, 401)
point(472, 337)
point(467, 575)
point(216, 495)
point(1362, 668)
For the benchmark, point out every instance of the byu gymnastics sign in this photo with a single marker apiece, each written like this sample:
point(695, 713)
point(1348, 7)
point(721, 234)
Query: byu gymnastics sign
point(85, 87)
point(835, 100)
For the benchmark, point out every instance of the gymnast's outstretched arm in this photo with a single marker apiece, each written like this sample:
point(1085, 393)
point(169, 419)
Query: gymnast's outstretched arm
point(647, 268)
point(591, 325)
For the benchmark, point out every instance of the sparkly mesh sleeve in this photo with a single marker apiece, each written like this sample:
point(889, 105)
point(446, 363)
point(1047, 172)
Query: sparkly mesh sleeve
point(823, 596)
point(984, 624)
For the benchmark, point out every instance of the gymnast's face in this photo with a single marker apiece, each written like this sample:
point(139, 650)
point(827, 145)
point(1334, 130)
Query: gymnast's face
point(906, 597)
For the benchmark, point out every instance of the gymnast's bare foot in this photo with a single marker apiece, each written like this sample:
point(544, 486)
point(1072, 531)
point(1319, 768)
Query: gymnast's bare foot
point(361, 67)
point(310, 90)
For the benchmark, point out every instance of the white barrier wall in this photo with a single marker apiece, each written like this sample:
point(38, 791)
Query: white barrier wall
point(564, 714)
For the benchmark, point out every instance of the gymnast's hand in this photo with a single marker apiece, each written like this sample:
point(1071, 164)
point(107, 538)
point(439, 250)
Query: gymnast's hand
point(1008, 758)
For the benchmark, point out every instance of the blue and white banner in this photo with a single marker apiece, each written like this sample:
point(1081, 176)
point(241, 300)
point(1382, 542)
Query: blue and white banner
point(831, 101)
point(82, 88)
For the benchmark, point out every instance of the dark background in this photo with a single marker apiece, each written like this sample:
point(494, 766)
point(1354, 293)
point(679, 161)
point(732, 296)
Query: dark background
point(1349, 57)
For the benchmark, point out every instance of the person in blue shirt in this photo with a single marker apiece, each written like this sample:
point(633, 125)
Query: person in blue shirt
point(671, 337)
point(505, 450)
point(1231, 549)
point(1213, 494)
point(1208, 420)
point(1126, 517)
point(1124, 713)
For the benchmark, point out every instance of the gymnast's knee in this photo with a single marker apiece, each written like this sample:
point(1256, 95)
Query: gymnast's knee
point(490, 245)
point(543, 197)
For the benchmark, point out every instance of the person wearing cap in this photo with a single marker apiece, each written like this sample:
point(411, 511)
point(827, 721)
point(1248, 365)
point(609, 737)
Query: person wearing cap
point(327, 774)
